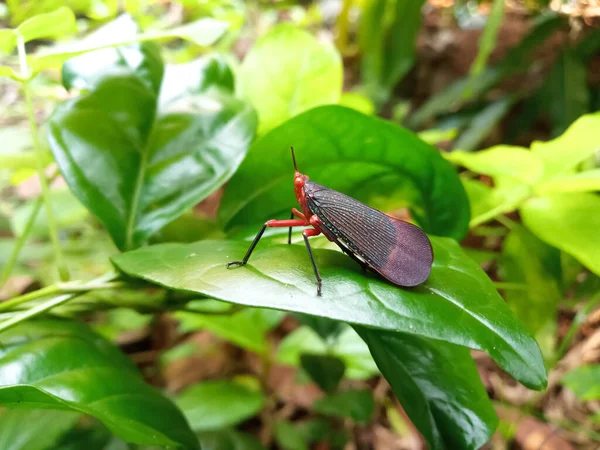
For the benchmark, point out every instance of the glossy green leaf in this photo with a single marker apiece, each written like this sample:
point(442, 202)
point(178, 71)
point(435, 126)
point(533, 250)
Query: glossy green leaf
point(365, 157)
point(68, 211)
point(567, 222)
point(438, 386)
point(458, 303)
point(289, 437)
point(138, 169)
point(568, 87)
point(517, 163)
point(204, 32)
point(37, 369)
point(348, 347)
point(528, 260)
point(212, 405)
point(49, 25)
point(574, 146)
point(584, 381)
point(142, 59)
point(325, 370)
point(228, 440)
point(568, 183)
point(247, 328)
point(287, 72)
point(8, 41)
point(483, 123)
point(22, 428)
point(356, 404)
point(387, 37)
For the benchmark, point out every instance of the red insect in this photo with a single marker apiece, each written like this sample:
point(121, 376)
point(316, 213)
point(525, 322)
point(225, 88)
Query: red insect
point(398, 250)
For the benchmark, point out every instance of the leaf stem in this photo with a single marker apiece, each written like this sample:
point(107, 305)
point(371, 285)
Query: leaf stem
point(52, 229)
point(577, 322)
point(510, 286)
point(37, 310)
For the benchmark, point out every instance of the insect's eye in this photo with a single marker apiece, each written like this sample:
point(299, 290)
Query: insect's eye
point(299, 181)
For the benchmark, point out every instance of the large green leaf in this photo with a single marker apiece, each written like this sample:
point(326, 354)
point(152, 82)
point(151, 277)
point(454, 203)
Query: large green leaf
point(137, 168)
point(212, 405)
point(22, 428)
point(528, 260)
point(569, 222)
point(458, 303)
point(48, 25)
point(287, 72)
point(574, 146)
point(438, 386)
point(365, 157)
point(64, 365)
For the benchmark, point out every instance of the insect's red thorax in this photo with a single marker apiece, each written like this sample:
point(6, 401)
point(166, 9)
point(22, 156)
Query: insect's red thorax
point(299, 182)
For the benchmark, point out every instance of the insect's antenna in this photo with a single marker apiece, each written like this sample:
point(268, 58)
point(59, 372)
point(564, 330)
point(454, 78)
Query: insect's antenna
point(294, 158)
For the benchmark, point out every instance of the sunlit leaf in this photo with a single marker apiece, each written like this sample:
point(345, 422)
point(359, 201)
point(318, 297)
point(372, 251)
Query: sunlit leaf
point(48, 25)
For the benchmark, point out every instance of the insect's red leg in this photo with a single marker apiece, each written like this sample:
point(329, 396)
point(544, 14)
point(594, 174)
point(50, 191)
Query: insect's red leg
point(286, 223)
point(298, 214)
point(309, 232)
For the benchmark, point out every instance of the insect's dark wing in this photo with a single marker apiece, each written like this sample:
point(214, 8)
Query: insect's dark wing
point(398, 250)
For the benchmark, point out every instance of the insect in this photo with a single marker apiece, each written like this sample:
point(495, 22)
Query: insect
point(397, 250)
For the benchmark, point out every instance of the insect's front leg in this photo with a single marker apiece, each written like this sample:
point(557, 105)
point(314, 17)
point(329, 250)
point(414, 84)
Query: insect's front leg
point(269, 223)
point(309, 232)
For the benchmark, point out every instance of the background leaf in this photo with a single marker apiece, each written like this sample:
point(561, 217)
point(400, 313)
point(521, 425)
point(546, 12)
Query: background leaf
point(564, 221)
point(449, 407)
point(458, 303)
point(49, 25)
point(22, 428)
point(356, 404)
point(37, 369)
point(212, 405)
point(287, 72)
point(228, 440)
point(583, 381)
point(325, 370)
point(137, 169)
point(361, 156)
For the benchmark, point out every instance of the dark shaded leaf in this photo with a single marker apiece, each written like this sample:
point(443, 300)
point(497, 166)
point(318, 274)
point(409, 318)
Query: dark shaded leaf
point(327, 371)
point(364, 157)
point(438, 386)
point(228, 440)
point(458, 303)
point(37, 369)
point(356, 404)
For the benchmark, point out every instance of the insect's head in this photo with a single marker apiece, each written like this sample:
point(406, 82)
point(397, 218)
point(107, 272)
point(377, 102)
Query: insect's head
point(299, 179)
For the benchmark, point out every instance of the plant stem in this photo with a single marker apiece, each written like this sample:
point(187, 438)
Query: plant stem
point(52, 230)
point(577, 322)
point(7, 269)
point(510, 286)
point(37, 310)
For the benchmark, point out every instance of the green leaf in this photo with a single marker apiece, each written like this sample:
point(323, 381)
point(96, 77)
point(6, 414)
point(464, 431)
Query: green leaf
point(567, 222)
point(365, 157)
point(438, 386)
point(68, 211)
point(325, 370)
point(568, 87)
point(8, 41)
point(516, 163)
point(387, 37)
point(527, 260)
point(246, 328)
point(154, 165)
point(211, 405)
point(49, 25)
point(142, 59)
point(289, 437)
point(487, 41)
point(577, 144)
point(286, 72)
point(33, 429)
point(358, 102)
point(356, 404)
point(348, 347)
point(483, 124)
point(204, 32)
point(228, 440)
point(584, 381)
point(88, 436)
point(568, 183)
point(37, 369)
point(458, 303)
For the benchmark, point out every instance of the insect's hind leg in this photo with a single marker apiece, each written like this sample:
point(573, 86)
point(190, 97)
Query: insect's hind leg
point(306, 234)
point(364, 266)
